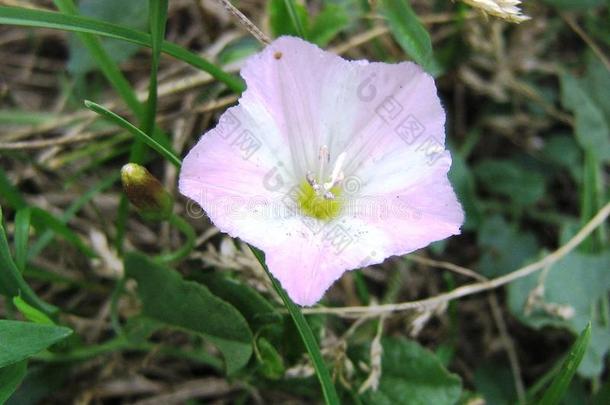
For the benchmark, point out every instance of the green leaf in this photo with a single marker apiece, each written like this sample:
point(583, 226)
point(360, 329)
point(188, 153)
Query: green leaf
point(22, 235)
point(562, 151)
point(20, 340)
point(12, 283)
point(510, 179)
point(41, 381)
point(495, 382)
point(31, 313)
point(462, 179)
point(256, 309)
point(158, 20)
point(238, 50)
point(189, 305)
point(272, 364)
point(592, 200)
point(409, 32)
point(592, 126)
point(66, 22)
point(281, 20)
point(109, 115)
point(576, 284)
point(130, 13)
point(504, 248)
point(10, 378)
point(411, 374)
point(10, 193)
point(327, 24)
point(295, 16)
point(556, 391)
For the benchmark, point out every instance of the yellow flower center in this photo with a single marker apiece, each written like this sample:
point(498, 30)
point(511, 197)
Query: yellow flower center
point(318, 206)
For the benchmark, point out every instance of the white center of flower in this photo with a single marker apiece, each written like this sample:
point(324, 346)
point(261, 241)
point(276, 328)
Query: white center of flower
point(323, 188)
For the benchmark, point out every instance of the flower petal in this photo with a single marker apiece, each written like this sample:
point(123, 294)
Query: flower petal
point(388, 123)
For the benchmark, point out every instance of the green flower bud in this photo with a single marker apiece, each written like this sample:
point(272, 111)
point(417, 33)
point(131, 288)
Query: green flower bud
point(146, 193)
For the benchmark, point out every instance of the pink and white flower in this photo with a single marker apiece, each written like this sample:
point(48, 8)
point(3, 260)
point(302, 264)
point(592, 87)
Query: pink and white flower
point(326, 165)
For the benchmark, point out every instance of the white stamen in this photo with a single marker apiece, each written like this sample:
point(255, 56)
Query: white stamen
point(335, 178)
point(324, 157)
point(336, 175)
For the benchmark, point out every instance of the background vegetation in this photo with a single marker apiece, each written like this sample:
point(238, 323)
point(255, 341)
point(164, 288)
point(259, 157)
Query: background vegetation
point(101, 306)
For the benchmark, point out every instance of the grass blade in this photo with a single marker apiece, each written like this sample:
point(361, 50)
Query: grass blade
point(22, 235)
point(328, 388)
point(41, 219)
point(158, 18)
point(409, 31)
point(556, 391)
point(12, 283)
point(105, 63)
point(109, 115)
point(296, 21)
point(65, 22)
point(10, 193)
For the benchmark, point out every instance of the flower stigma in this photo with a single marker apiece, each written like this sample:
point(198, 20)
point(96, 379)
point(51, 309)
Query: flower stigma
point(318, 198)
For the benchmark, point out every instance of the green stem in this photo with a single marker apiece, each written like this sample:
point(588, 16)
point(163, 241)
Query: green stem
point(187, 230)
point(328, 388)
point(121, 343)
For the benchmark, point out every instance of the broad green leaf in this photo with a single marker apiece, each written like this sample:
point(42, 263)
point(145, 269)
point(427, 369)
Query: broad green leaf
point(10, 378)
point(592, 127)
point(495, 382)
point(138, 328)
point(40, 381)
point(504, 248)
point(562, 151)
point(132, 14)
point(20, 340)
point(185, 304)
point(559, 386)
point(256, 309)
point(510, 179)
point(409, 32)
point(412, 375)
point(272, 364)
point(575, 284)
point(597, 83)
